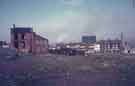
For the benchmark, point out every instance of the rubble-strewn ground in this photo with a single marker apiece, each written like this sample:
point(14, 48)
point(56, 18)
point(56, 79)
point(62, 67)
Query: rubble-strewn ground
point(94, 70)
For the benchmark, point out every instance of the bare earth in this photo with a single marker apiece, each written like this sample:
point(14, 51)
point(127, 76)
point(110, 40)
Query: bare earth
point(94, 70)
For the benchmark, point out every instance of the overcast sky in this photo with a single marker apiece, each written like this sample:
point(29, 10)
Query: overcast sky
point(67, 20)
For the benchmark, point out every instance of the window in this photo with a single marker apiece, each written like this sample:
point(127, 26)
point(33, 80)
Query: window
point(15, 36)
point(23, 44)
point(22, 36)
point(16, 44)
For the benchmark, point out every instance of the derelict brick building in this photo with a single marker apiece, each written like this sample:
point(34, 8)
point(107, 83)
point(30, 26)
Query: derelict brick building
point(25, 40)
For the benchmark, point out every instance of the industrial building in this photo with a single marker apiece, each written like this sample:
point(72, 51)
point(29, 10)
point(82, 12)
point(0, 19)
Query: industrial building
point(76, 48)
point(25, 40)
point(111, 46)
point(89, 39)
point(93, 47)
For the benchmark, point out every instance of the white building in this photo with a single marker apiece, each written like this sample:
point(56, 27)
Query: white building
point(132, 51)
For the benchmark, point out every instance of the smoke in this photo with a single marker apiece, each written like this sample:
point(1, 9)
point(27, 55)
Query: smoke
point(62, 38)
point(73, 25)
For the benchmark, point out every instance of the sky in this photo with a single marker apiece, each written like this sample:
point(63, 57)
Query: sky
point(68, 20)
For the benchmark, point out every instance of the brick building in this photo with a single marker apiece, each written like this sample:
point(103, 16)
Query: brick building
point(40, 44)
point(24, 40)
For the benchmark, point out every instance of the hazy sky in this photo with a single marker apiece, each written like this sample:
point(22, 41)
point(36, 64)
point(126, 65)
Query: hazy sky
point(67, 20)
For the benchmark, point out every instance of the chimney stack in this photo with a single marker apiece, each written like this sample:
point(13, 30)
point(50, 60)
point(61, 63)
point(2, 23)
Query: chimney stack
point(13, 25)
point(122, 36)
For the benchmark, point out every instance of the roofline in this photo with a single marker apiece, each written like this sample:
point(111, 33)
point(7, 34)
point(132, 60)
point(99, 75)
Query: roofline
point(40, 36)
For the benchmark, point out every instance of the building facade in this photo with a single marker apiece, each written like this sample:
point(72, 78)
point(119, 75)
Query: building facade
point(89, 39)
point(94, 47)
point(40, 44)
point(111, 46)
point(24, 40)
point(81, 48)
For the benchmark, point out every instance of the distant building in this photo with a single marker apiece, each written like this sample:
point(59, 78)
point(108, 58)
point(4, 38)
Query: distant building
point(75, 48)
point(132, 51)
point(23, 39)
point(88, 39)
point(111, 46)
point(4, 44)
point(86, 47)
point(94, 47)
point(127, 48)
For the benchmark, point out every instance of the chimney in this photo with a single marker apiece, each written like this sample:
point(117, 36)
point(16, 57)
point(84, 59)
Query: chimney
point(122, 39)
point(122, 36)
point(13, 25)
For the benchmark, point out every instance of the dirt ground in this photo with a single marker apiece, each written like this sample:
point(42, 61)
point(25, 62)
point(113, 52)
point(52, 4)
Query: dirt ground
point(52, 70)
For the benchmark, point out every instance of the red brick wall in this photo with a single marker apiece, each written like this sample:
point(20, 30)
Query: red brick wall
point(40, 45)
point(34, 43)
point(27, 41)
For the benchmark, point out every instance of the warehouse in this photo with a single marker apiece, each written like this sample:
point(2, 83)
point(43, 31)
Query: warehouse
point(25, 40)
